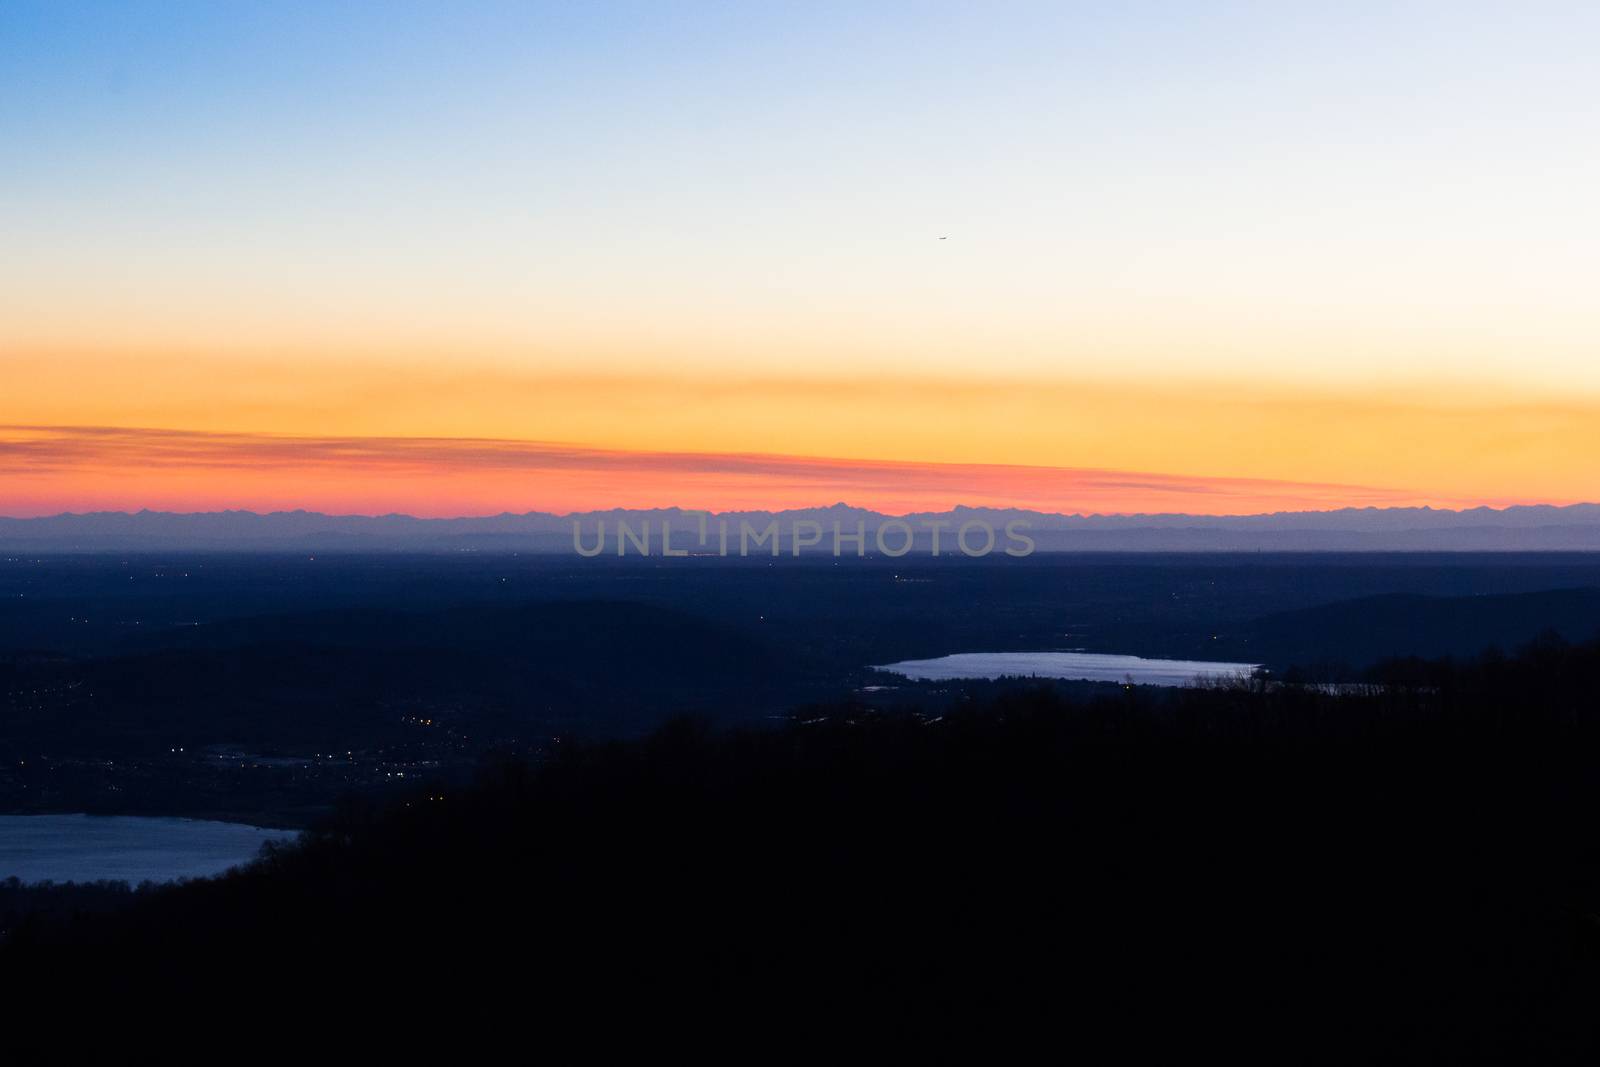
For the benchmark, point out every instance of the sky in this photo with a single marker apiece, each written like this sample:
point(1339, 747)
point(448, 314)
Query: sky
point(1125, 257)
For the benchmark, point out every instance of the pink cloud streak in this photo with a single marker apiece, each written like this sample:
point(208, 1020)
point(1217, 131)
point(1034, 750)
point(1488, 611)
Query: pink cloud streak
point(53, 468)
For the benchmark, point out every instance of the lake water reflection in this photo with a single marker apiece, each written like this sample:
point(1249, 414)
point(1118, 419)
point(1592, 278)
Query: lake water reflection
point(89, 848)
point(1073, 666)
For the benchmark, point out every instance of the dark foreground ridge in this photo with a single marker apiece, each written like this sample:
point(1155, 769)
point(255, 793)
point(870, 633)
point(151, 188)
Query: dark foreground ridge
point(1408, 873)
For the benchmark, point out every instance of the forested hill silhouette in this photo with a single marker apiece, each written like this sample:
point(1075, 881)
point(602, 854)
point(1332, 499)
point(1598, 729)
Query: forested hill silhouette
point(1405, 874)
point(1355, 634)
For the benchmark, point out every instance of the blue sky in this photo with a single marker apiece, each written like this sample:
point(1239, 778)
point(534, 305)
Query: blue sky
point(332, 217)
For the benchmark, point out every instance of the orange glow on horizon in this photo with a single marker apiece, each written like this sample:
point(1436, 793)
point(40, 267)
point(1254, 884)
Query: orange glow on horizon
point(51, 470)
point(1231, 447)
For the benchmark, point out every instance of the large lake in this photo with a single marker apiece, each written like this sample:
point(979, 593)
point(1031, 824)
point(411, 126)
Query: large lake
point(1072, 666)
point(89, 848)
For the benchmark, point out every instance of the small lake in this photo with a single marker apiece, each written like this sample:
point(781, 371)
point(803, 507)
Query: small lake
point(89, 848)
point(1070, 666)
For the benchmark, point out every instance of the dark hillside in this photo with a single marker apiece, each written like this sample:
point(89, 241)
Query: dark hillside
point(1407, 875)
point(1362, 632)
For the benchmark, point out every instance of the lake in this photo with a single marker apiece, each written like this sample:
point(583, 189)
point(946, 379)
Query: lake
point(89, 848)
point(1072, 666)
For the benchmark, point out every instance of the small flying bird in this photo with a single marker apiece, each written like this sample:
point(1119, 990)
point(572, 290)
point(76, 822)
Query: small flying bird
point(944, 238)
